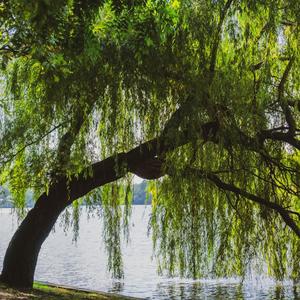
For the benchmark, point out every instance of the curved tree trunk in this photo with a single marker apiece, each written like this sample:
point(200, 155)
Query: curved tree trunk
point(22, 253)
point(23, 250)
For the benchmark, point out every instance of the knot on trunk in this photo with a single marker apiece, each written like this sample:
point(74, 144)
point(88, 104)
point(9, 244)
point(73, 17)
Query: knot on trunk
point(151, 168)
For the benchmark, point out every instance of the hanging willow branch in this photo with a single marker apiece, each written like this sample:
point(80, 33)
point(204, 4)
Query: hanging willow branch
point(284, 213)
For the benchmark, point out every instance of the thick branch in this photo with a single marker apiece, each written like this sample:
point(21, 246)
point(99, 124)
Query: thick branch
point(141, 161)
point(280, 136)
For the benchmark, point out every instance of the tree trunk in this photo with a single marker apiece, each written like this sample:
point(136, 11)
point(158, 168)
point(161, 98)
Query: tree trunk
point(23, 250)
point(22, 253)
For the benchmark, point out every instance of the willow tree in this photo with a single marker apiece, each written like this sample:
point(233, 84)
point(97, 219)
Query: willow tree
point(202, 96)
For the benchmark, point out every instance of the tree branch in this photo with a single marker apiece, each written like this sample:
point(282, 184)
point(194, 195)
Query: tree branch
point(30, 144)
point(285, 214)
point(68, 139)
point(142, 161)
point(216, 41)
point(284, 105)
point(280, 136)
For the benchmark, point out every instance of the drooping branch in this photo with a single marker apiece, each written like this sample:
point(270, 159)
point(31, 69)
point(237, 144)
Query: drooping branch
point(68, 139)
point(284, 104)
point(284, 213)
point(216, 41)
point(35, 141)
point(65, 144)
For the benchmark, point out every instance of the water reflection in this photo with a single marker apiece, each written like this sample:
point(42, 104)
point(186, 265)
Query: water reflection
point(214, 290)
point(117, 287)
point(236, 291)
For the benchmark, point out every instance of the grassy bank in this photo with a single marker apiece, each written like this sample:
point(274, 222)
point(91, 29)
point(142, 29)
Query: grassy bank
point(50, 292)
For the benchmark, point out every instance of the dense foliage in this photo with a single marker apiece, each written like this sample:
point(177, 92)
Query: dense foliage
point(216, 81)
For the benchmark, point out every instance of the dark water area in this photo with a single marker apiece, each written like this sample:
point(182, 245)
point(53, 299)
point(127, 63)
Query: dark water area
point(83, 264)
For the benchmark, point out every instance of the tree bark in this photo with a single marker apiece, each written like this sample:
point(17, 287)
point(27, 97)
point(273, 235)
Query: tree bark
point(23, 250)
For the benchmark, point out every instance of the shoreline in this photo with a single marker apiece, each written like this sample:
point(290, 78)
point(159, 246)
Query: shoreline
point(48, 290)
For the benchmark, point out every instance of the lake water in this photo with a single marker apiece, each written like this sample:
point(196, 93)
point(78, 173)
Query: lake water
point(84, 265)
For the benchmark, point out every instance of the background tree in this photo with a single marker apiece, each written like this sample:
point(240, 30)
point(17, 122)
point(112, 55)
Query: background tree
point(204, 92)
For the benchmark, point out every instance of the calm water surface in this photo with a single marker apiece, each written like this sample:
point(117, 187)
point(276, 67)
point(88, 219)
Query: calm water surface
point(83, 265)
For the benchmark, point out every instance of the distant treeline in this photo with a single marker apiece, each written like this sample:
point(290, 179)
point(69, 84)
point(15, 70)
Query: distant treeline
point(139, 196)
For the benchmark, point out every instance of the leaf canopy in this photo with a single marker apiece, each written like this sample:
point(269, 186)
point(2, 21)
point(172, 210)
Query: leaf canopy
point(84, 80)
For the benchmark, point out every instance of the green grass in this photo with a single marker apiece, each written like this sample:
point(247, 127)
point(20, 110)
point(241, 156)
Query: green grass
point(49, 292)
